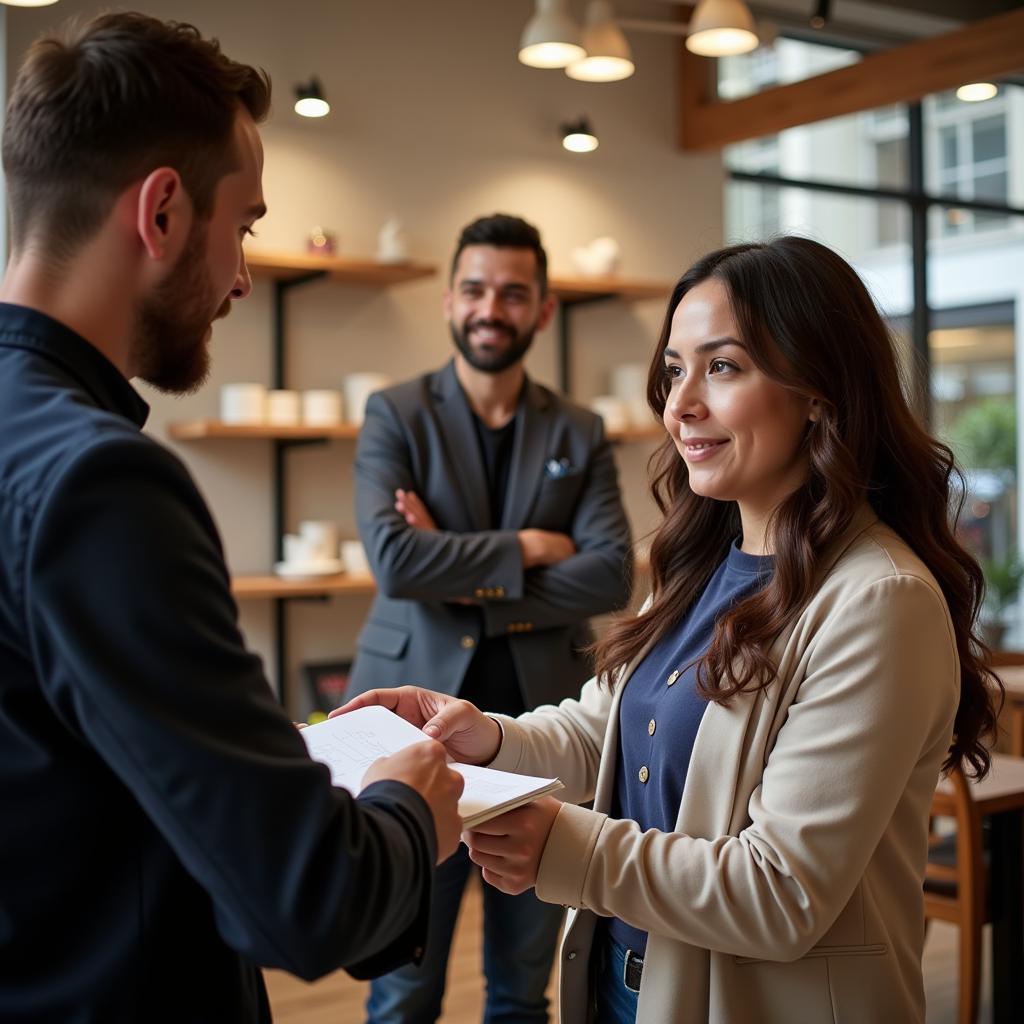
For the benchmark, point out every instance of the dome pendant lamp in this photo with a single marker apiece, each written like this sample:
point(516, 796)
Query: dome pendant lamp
point(551, 38)
point(608, 58)
point(721, 28)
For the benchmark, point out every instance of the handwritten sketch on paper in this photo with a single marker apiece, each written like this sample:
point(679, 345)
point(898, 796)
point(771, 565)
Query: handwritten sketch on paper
point(349, 744)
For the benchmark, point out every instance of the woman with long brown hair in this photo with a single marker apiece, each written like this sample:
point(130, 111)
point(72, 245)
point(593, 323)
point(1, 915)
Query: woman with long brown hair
point(762, 740)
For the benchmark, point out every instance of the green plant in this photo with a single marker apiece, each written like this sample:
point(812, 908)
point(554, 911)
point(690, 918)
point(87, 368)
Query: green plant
point(984, 435)
point(1003, 578)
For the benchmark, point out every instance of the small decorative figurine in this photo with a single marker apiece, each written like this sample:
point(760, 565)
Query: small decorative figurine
point(322, 242)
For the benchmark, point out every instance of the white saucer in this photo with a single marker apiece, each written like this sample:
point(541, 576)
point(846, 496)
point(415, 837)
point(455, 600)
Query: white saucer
point(307, 570)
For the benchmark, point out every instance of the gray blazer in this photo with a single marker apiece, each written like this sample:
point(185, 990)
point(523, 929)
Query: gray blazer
point(419, 436)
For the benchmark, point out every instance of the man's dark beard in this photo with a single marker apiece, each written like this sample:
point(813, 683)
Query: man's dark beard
point(171, 344)
point(492, 362)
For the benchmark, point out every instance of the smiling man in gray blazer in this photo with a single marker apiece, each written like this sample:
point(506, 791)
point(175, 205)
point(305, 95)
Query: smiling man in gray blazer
point(491, 514)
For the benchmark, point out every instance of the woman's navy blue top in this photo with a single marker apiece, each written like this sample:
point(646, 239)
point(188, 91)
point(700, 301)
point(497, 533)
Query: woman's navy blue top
point(661, 711)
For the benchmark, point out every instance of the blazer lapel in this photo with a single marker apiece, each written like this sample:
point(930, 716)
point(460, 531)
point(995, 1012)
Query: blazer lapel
point(459, 437)
point(528, 454)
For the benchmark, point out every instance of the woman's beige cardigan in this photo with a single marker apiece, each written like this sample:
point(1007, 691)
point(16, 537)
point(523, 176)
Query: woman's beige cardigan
point(790, 891)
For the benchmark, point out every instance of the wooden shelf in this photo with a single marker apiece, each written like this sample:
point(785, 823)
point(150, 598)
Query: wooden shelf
point(285, 266)
point(198, 430)
point(631, 434)
point(258, 587)
point(206, 429)
point(611, 286)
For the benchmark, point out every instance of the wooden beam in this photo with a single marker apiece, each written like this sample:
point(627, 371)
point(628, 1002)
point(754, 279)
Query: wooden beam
point(978, 52)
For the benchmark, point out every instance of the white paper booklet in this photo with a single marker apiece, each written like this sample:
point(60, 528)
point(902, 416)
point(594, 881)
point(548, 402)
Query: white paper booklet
point(349, 744)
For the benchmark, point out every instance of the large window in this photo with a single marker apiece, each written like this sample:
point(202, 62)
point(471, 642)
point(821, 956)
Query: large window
point(953, 289)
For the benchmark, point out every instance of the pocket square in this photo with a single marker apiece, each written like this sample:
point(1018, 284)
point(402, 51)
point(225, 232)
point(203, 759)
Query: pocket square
point(555, 469)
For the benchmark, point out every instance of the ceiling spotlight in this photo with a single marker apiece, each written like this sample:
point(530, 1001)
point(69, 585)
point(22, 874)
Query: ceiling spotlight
point(551, 38)
point(608, 58)
point(821, 14)
point(721, 28)
point(578, 136)
point(28, 3)
point(975, 92)
point(309, 99)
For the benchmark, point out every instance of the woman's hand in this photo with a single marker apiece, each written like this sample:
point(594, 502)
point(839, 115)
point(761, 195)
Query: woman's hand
point(508, 848)
point(468, 735)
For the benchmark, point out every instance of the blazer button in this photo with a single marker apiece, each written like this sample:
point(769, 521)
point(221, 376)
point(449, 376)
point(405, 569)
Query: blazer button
point(467, 642)
point(571, 955)
point(643, 774)
point(651, 726)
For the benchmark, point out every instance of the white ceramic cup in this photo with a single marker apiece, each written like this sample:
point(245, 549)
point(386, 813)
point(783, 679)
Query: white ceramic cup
point(283, 408)
point(243, 404)
point(321, 408)
point(613, 410)
point(358, 388)
point(319, 539)
point(296, 549)
point(353, 557)
point(629, 382)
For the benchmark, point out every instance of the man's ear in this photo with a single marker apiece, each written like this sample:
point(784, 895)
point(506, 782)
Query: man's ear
point(163, 214)
point(547, 311)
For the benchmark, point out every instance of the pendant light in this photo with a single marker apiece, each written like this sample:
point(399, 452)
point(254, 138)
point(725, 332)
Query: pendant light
point(721, 28)
point(977, 92)
point(551, 38)
point(608, 58)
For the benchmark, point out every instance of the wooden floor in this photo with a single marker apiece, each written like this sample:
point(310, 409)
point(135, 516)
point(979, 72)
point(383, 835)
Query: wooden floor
point(338, 999)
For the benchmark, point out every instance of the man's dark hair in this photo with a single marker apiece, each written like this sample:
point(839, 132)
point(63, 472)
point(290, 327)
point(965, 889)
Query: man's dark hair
point(504, 231)
point(103, 105)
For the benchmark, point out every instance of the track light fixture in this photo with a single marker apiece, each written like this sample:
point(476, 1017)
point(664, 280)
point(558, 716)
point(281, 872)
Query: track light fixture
point(578, 136)
point(309, 99)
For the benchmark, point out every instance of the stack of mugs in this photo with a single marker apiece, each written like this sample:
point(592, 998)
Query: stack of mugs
point(253, 405)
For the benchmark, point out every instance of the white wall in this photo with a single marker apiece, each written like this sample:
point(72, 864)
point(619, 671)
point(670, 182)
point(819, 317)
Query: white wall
point(435, 121)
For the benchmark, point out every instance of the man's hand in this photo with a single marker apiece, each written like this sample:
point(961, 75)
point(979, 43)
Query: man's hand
point(468, 734)
point(424, 766)
point(508, 848)
point(409, 505)
point(544, 547)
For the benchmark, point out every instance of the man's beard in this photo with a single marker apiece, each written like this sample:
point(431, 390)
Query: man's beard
point(171, 331)
point(492, 360)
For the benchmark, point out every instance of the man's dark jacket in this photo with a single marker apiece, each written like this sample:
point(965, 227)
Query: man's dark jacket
point(162, 830)
point(420, 436)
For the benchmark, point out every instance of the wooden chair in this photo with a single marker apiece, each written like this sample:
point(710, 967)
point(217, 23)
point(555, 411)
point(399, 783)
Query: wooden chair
point(955, 885)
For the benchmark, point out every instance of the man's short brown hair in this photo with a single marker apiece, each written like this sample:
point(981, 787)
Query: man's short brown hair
point(106, 103)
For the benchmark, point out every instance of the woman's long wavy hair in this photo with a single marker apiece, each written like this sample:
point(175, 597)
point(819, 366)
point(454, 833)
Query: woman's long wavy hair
point(809, 323)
